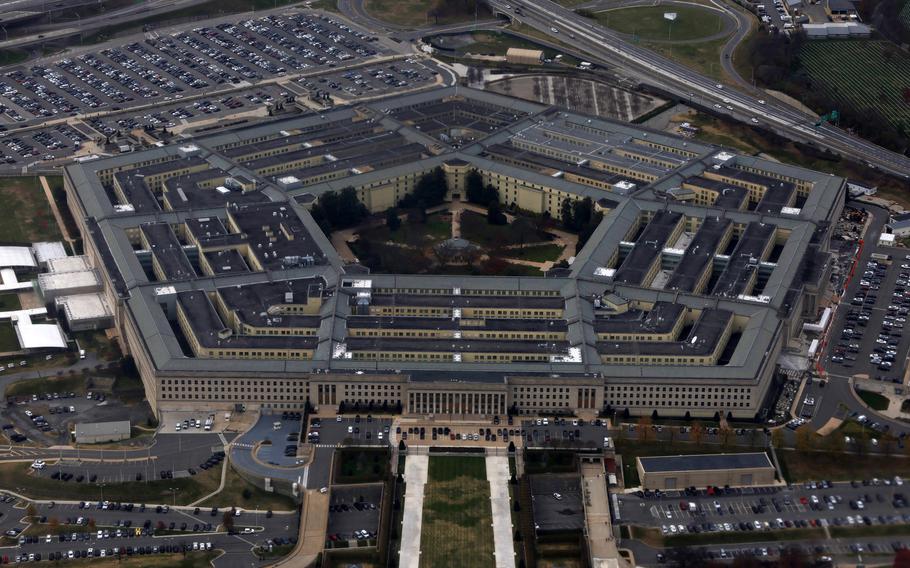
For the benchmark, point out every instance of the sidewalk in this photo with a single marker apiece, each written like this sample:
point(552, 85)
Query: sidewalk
point(416, 468)
point(498, 476)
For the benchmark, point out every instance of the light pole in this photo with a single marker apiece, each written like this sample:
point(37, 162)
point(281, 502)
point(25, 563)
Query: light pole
point(174, 492)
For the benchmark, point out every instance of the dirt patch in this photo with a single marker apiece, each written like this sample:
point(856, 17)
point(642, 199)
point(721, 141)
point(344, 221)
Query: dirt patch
point(578, 94)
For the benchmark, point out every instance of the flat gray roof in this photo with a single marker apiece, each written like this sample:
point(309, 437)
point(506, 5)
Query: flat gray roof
point(704, 462)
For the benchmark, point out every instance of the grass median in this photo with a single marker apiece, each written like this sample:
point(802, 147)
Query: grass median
point(20, 478)
point(654, 538)
point(238, 492)
point(457, 516)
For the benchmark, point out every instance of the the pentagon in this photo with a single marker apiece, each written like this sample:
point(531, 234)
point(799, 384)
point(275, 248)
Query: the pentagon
point(225, 290)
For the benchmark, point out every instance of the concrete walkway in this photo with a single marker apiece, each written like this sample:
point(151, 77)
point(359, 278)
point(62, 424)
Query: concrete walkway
point(498, 476)
point(416, 468)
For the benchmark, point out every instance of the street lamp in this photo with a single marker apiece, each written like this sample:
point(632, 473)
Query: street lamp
point(174, 492)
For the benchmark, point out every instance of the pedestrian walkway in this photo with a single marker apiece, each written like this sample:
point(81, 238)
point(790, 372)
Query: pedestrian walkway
point(416, 468)
point(498, 476)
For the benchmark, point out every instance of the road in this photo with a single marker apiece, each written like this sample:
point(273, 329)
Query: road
point(605, 46)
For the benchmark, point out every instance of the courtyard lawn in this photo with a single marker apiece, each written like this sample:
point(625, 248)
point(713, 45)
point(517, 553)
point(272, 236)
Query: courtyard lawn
point(537, 253)
point(28, 217)
point(474, 227)
point(436, 228)
point(648, 22)
point(457, 519)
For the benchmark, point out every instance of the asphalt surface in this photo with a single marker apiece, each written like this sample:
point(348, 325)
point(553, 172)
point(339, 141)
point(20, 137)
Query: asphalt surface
point(354, 508)
point(608, 47)
point(772, 508)
point(236, 548)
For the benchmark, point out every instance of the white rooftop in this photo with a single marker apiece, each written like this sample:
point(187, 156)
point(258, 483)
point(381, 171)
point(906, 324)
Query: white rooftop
point(68, 264)
point(37, 335)
point(16, 256)
point(84, 307)
point(68, 280)
point(46, 251)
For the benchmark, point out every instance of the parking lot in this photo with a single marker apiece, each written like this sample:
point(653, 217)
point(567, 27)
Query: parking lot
point(354, 512)
point(52, 143)
point(177, 114)
point(130, 529)
point(563, 432)
point(169, 67)
point(372, 80)
point(874, 314)
point(557, 504)
point(822, 504)
point(49, 418)
point(359, 430)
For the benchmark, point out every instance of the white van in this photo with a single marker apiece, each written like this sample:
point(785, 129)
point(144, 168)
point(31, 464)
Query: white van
point(276, 425)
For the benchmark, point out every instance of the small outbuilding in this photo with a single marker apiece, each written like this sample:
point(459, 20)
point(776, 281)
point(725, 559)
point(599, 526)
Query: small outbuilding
point(102, 432)
point(524, 56)
point(679, 472)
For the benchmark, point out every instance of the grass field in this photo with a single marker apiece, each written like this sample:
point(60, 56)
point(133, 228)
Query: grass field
point(874, 400)
point(18, 477)
point(190, 560)
point(703, 56)
point(259, 499)
point(28, 216)
point(840, 467)
point(864, 73)
point(436, 228)
point(9, 302)
point(475, 228)
point(457, 519)
point(361, 466)
point(648, 22)
point(539, 253)
point(417, 13)
point(8, 340)
point(43, 385)
point(492, 43)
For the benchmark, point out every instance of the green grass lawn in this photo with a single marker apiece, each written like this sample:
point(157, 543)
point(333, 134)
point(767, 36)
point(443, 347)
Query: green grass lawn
point(417, 13)
point(493, 43)
point(43, 385)
point(840, 467)
point(474, 227)
point(863, 72)
point(874, 400)
point(539, 253)
point(550, 461)
point(28, 215)
point(235, 494)
point(457, 519)
point(648, 22)
point(9, 302)
point(872, 531)
point(8, 340)
point(653, 536)
point(436, 228)
point(190, 560)
point(703, 57)
point(19, 477)
point(361, 466)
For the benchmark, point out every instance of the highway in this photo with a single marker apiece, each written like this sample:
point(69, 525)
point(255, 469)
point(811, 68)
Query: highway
point(608, 47)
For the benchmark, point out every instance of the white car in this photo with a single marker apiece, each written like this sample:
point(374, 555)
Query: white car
point(761, 101)
point(38, 464)
point(557, 496)
point(719, 86)
point(754, 120)
point(247, 530)
point(554, 30)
